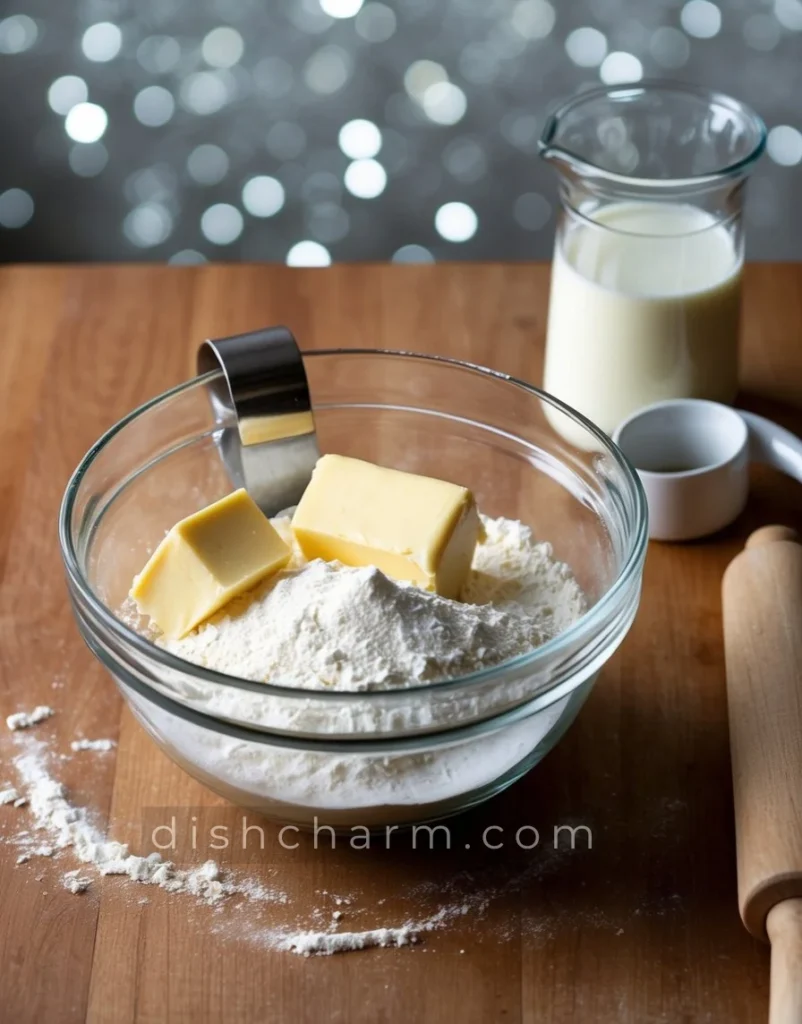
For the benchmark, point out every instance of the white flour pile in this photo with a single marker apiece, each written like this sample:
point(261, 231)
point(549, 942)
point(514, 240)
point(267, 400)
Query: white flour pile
point(324, 626)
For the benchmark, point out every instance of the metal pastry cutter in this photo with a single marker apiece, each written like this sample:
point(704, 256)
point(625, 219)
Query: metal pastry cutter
point(261, 402)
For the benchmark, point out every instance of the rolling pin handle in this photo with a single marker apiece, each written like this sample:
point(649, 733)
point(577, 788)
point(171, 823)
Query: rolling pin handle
point(770, 535)
point(784, 925)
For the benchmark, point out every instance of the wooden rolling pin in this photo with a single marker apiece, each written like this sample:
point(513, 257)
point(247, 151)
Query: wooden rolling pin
point(762, 597)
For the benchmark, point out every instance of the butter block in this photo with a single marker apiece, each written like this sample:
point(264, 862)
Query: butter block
point(413, 528)
point(205, 561)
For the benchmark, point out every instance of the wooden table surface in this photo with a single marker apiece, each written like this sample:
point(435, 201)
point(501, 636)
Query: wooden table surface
point(641, 928)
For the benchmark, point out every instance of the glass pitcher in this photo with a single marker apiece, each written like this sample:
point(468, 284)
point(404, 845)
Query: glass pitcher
point(646, 279)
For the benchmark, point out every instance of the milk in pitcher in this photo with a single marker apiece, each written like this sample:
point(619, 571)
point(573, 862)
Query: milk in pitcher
point(645, 305)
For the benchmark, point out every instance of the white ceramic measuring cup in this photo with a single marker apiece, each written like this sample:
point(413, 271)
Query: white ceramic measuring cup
point(693, 459)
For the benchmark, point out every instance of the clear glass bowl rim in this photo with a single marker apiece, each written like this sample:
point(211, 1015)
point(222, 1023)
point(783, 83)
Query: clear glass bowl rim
point(586, 624)
point(667, 86)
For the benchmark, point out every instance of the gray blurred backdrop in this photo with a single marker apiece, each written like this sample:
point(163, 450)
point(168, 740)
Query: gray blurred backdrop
point(314, 130)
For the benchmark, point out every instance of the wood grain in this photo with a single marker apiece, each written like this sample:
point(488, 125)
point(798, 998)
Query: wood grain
point(643, 927)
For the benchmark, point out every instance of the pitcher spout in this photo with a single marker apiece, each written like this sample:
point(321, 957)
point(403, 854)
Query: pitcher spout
point(652, 138)
point(569, 166)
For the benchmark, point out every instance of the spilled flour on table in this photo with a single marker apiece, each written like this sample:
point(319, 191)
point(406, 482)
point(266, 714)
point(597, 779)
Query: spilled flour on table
point(54, 828)
point(67, 826)
point(101, 746)
point(59, 826)
point(27, 719)
point(327, 942)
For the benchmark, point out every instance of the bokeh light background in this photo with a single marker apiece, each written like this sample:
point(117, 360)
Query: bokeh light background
point(306, 131)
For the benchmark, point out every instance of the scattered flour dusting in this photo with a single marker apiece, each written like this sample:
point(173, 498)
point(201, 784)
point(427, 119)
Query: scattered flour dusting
point(100, 745)
point(76, 882)
point(68, 826)
point(326, 943)
point(323, 625)
point(25, 719)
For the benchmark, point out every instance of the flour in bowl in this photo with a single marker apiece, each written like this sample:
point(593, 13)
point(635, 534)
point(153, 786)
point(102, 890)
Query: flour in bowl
point(323, 625)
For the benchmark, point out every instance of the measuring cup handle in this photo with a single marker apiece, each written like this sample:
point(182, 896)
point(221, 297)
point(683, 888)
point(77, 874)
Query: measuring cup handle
point(774, 445)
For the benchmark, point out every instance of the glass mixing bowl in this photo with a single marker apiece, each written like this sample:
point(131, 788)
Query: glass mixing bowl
point(380, 757)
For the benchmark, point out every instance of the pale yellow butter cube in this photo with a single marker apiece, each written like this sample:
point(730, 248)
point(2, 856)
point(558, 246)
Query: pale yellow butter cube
point(205, 561)
point(411, 527)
